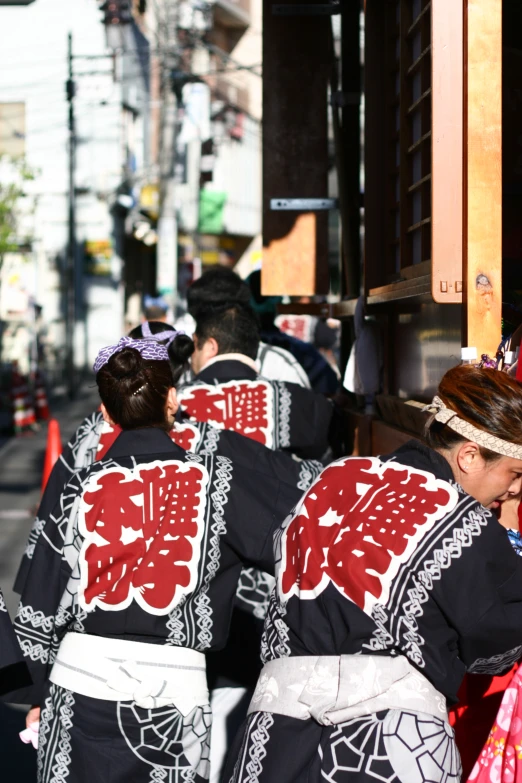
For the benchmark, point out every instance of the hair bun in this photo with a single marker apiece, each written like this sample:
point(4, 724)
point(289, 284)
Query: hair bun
point(181, 349)
point(127, 363)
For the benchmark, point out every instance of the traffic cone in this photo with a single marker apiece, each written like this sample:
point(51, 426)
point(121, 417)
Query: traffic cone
point(53, 450)
point(40, 397)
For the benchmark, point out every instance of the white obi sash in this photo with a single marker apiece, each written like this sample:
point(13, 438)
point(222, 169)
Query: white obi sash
point(152, 675)
point(334, 689)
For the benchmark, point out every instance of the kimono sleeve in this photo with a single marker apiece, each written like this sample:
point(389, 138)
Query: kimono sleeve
point(257, 505)
point(481, 596)
point(36, 621)
point(14, 673)
point(58, 479)
point(310, 419)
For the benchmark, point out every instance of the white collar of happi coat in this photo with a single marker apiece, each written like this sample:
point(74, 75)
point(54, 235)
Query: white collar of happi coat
point(232, 357)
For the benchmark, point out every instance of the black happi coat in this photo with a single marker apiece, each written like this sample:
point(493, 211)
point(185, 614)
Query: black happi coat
point(94, 438)
point(384, 557)
point(13, 670)
point(229, 394)
point(238, 503)
point(400, 560)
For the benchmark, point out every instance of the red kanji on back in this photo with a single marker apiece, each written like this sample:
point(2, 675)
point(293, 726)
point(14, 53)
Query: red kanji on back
point(108, 436)
point(186, 436)
point(243, 406)
point(142, 530)
point(356, 525)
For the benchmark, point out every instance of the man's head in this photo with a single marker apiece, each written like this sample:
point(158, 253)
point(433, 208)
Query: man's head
point(155, 309)
point(216, 288)
point(229, 329)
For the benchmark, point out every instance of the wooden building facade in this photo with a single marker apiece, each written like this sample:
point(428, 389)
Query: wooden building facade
point(442, 179)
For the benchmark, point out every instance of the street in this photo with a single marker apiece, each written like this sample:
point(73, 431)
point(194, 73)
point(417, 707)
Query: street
point(21, 462)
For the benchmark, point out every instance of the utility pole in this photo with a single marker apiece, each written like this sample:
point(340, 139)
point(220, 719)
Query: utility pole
point(70, 267)
point(167, 248)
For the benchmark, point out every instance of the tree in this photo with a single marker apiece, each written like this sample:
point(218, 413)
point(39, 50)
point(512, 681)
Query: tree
point(14, 173)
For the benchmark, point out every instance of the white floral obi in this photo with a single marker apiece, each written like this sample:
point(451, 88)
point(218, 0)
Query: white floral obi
point(334, 689)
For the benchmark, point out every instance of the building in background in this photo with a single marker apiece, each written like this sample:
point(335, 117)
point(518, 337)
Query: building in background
point(165, 99)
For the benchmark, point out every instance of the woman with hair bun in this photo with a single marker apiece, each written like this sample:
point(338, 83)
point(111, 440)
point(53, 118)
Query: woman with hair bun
point(393, 578)
point(133, 579)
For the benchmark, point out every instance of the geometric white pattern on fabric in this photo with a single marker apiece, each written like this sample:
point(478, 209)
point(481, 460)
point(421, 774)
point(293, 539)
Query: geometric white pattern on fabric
point(211, 440)
point(3, 607)
point(62, 763)
point(219, 496)
point(394, 746)
point(54, 740)
point(158, 775)
point(253, 591)
point(33, 630)
point(276, 634)
point(307, 474)
point(497, 664)
point(285, 406)
point(421, 748)
point(181, 746)
point(259, 737)
point(84, 446)
point(436, 561)
point(36, 529)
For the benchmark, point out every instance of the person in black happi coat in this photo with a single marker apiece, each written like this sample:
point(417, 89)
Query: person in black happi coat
point(132, 580)
point(228, 392)
point(393, 578)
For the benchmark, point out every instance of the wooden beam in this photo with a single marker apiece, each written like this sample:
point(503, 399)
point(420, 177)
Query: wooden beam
point(483, 166)
point(447, 74)
point(297, 59)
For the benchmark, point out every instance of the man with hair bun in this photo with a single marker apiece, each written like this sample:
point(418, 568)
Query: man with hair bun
point(228, 391)
point(393, 578)
point(132, 581)
point(219, 287)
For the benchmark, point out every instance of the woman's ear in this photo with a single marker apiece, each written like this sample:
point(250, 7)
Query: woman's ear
point(106, 416)
point(469, 458)
point(172, 402)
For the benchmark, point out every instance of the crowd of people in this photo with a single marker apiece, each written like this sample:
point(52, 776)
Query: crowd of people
point(216, 589)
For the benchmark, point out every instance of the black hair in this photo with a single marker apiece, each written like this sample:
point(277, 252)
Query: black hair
point(180, 350)
point(134, 390)
point(216, 288)
point(234, 327)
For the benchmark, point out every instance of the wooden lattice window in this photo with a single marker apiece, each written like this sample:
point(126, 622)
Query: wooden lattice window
point(409, 91)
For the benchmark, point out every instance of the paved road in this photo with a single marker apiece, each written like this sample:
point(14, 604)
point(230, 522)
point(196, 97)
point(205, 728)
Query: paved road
point(21, 461)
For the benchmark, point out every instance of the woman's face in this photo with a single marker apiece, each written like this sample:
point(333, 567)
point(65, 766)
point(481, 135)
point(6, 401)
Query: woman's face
point(490, 482)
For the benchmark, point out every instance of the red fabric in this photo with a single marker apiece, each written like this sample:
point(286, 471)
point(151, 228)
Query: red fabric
point(480, 697)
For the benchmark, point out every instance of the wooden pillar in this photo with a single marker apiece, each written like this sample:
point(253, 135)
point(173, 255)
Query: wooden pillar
point(447, 155)
point(296, 66)
point(483, 174)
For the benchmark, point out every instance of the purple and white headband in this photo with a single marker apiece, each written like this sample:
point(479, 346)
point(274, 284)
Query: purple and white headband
point(151, 350)
point(167, 336)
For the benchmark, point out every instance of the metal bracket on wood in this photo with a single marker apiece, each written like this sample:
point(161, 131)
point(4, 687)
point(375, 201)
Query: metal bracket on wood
point(306, 9)
point(303, 204)
point(342, 99)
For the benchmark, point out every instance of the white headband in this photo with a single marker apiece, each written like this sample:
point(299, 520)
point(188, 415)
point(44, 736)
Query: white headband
point(449, 417)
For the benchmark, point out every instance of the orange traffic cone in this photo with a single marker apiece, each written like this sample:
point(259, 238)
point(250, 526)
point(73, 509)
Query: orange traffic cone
point(53, 450)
